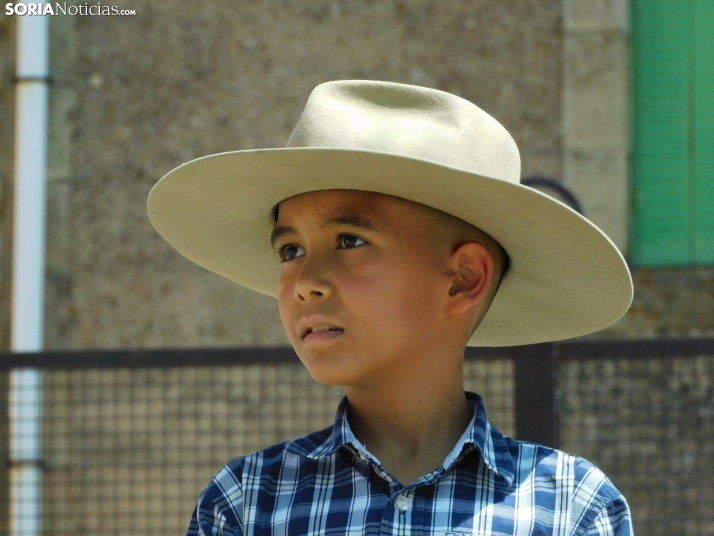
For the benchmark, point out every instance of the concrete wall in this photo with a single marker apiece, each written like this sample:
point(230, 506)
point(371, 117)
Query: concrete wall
point(596, 111)
point(596, 155)
point(132, 97)
point(136, 96)
point(674, 302)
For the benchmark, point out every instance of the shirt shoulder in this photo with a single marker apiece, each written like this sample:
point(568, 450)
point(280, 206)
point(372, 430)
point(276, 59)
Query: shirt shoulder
point(221, 504)
point(574, 488)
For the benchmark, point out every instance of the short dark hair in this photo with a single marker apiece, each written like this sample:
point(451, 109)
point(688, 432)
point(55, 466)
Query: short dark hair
point(446, 230)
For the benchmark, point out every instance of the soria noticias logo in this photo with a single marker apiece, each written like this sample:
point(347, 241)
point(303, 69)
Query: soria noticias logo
point(64, 9)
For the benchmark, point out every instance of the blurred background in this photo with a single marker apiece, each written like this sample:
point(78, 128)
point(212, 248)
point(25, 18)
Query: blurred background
point(612, 101)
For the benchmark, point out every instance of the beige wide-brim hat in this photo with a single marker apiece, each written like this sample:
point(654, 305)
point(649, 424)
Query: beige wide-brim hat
point(566, 277)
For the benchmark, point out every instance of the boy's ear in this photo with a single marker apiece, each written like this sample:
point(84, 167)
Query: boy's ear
point(472, 271)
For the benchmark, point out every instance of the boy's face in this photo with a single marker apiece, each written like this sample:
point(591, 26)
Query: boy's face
point(360, 264)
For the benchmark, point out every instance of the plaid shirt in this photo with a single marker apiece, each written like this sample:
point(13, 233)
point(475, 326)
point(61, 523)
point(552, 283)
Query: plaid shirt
point(327, 483)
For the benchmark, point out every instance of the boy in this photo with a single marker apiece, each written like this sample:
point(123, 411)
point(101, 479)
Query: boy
point(394, 232)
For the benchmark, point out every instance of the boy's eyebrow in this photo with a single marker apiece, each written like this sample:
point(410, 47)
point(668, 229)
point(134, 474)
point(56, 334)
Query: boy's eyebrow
point(280, 231)
point(354, 220)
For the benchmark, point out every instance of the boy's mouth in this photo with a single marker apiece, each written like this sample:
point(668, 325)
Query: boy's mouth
point(322, 328)
point(320, 332)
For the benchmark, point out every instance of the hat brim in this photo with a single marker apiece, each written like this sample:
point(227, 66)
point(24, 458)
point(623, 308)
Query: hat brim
point(566, 277)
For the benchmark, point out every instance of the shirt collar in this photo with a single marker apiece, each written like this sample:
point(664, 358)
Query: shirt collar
point(479, 433)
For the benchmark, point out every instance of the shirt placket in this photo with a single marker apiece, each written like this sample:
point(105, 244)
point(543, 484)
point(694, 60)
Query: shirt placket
point(410, 511)
point(403, 514)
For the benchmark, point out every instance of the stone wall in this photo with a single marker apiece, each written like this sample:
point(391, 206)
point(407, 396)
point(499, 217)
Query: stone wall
point(136, 96)
point(595, 111)
point(132, 97)
point(596, 165)
point(668, 302)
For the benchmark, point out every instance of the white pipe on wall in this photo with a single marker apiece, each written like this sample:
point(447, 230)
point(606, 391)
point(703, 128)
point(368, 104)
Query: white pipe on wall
point(28, 272)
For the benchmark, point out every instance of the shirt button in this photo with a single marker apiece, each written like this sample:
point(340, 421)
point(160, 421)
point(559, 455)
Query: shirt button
point(402, 503)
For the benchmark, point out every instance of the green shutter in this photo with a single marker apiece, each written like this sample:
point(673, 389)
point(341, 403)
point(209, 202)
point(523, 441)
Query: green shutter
point(703, 130)
point(673, 121)
point(661, 184)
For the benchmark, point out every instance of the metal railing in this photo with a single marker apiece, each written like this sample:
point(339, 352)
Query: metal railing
point(131, 437)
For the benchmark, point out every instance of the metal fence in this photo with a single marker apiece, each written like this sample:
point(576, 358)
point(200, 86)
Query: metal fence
point(130, 438)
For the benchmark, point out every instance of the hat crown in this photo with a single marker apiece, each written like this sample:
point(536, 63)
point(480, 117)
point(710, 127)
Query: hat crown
point(410, 121)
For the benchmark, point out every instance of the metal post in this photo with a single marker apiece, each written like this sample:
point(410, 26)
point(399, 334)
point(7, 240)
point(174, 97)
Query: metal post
point(535, 371)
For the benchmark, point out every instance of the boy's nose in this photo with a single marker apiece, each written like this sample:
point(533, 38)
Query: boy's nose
point(304, 295)
point(306, 291)
point(311, 283)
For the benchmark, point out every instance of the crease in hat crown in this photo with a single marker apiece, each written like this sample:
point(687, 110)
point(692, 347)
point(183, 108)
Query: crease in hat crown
point(411, 121)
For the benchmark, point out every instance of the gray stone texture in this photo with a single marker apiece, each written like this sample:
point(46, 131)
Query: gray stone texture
point(596, 15)
point(596, 156)
point(137, 96)
point(595, 111)
point(674, 302)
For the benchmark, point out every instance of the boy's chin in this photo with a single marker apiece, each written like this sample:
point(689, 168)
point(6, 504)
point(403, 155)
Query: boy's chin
point(329, 381)
point(329, 375)
point(330, 370)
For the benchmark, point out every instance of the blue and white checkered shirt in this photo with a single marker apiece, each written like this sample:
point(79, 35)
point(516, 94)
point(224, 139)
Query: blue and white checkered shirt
point(327, 483)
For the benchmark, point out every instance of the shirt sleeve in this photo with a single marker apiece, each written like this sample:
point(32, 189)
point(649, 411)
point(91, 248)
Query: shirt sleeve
point(219, 511)
point(206, 522)
point(613, 520)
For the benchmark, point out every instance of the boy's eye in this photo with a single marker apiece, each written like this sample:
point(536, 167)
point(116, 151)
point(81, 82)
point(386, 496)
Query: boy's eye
point(290, 252)
point(351, 241)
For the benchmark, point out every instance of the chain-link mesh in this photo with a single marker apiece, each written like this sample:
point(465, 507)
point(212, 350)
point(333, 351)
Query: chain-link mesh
point(127, 451)
point(648, 423)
